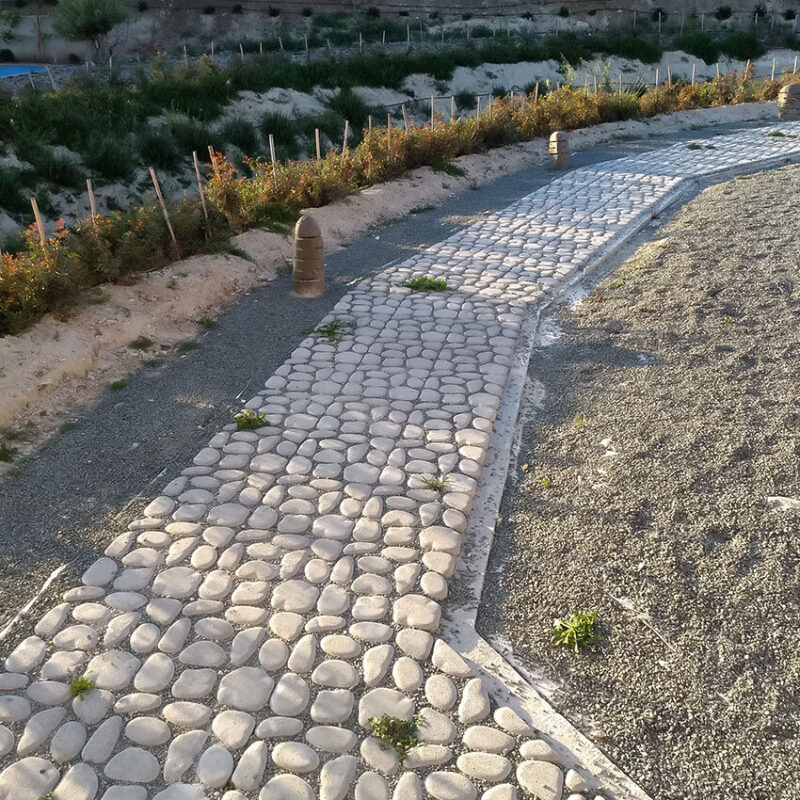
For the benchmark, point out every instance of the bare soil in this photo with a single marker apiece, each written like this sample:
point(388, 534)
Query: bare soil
point(670, 416)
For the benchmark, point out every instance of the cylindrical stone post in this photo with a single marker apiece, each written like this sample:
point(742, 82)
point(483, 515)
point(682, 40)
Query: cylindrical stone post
point(559, 150)
point(309, 267)
point(789, 102)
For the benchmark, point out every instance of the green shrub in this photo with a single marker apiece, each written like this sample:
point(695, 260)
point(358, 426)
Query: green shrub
point(158, 149)
point(742, 45)
point(12, 196)
point(698, 44)
point(108, 155)
point(191, 134)
point(633, 47)
point(351, 107)
point(240, 132)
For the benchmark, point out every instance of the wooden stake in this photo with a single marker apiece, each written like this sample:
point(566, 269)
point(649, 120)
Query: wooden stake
point(305, 42)
point(408, 36)
point(774, 60)
point(213, 160)
point(280, 43)
point(369, 123)
point(478, 114)
point(360, 42)
point(346, 134)
point(316, 139)
point(452, 108)
point(200, 191)
point(212, 49)
point(38, 217)
point(389, 133)
point(185, 56)
point(383, 38)
point(405, 117)
point(669, 76)
point(595, 84)
point(92, 208)
point(620, 83)
point(272, 156)
point(241, 51)
point(261, 48)
point(717, 70)
point(164, 211)
point(536, 93)
point(694, 74)
point(794, 68)
point(656, 77)
point(433, 121)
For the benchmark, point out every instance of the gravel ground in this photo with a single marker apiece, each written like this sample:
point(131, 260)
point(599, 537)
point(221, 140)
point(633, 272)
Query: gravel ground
point(670, 415)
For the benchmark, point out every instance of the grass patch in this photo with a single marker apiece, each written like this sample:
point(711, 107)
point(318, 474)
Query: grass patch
point(333, 331)
point(435, 484)
point(79, 685)
point(141, 343)
point(448, 168)
point(7, 452)
point(119, 385)
point(400, 734)
point(577, 631)
point(209, 323)
point(249, 419)
point(186, 346)
point(421, 209)
point(422, 283)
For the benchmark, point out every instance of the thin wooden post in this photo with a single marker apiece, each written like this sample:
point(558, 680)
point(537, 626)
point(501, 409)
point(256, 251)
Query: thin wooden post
point(369, 123)
point(478, 113)
point(433, 121)
point(452, 108)
point(694, 74)
point(683, 19)
point(620, 83)
point(659, 26)
point(185, 56)
point(669, 76)
point(774, 60)
point(92, 207)
point(316, 139)
point(241, 52)
point(408, 36)
point(346, 134)
point(38, 217)
point(164, 211)
point(536, 93)
point(213, 158)
point(405, 116)
point(794, 68)
point(261, 48)
point(305, 43)
point(200, 191)
point(272, 156)
point(717, 70)
point(595, 84)
point(656, 77)
point(389, 133)
point(212, 49)
point(383, 38)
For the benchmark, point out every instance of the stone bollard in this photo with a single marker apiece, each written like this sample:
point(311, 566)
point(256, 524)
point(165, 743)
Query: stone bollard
point(559, 150)
point(309, 267)
point(789, 102)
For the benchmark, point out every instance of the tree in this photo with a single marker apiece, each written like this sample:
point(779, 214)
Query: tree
point(8, 22)
point(88, 19)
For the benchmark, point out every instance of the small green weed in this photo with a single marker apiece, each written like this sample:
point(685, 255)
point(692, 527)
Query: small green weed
point(694, 146)
point(141, 343)
point(545, 482)
point(401, 734)
point(711, 147)
point(117, 386)
point(209, 323)
point(152, 362)
point(729, 320)
point(333, 331)
point(249, 419)
point(421, 283)
point(7, 452)
point(449, 168)
point(421, 209)
point(436, 484)
point(79, 685)
point(578, 631)
point(579, 422)
point(187, 346)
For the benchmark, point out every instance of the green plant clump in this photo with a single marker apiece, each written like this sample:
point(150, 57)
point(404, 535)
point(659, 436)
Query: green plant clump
point(249, 419)
point(436, 484)
point(578, 631)
point(79, 685)
point(422, 283)
point(334, 331)
point(401, 734)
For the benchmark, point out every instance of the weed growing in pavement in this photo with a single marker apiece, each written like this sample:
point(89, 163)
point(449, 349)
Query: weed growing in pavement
point(209, 323)
point(333, 331)
point(187, 346)
point(694, 146)
point(249, 419)
point(435, 484)
point(421, 209)
point(578, 631)
point(421, 283)
point(119, 385)
point(152, 362)
point(79, 685)
point(545, 482)
point(141, 343)
point(579, 422)
point(7, 452)
point(401, 734)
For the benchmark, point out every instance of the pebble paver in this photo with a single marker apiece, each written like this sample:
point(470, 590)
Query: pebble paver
point(289, 584)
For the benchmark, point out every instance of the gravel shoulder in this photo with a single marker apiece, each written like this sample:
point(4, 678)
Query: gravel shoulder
point(661, 419)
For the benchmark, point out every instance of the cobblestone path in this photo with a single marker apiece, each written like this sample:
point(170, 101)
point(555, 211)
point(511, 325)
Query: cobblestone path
point(289, 585)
